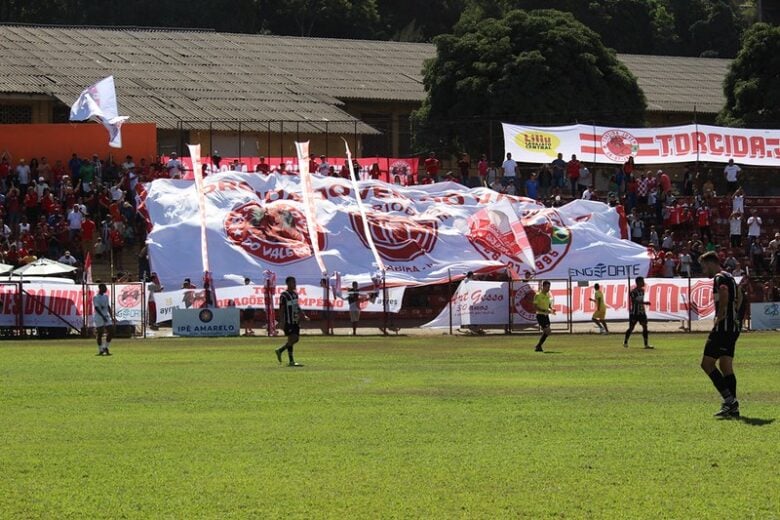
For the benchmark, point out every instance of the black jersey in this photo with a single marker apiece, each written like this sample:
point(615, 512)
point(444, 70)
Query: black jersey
point(730, 322)
point(353, 296)
point(288, 304)
point(636, 304)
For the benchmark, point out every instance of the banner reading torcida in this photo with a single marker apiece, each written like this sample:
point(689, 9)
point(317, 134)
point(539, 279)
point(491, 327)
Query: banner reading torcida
point(675, 144)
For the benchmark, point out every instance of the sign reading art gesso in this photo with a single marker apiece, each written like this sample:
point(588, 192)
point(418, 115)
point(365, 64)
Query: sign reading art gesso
point(676, 144)
point(206, 322)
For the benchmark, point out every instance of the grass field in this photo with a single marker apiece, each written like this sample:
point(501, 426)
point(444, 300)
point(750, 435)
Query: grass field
point(386, 428)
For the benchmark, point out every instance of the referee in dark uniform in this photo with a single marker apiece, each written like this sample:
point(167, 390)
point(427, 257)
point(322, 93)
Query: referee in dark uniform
point(291, 314)
point(723, 337)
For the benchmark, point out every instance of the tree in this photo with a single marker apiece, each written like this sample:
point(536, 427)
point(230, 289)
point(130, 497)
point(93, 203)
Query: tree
point(752, 86)
point(324, 18)
point(718, 34)
point(413, 20)
point(540, 67)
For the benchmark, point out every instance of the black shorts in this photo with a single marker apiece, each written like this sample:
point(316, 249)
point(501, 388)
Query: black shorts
point(638, 318)
point(543, 320)
point(292, 330)
point(721, 344)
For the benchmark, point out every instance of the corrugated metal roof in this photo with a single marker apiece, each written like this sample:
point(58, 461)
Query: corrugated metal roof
point(164, 76)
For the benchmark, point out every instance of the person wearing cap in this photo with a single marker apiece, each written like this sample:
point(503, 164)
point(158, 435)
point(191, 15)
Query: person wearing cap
point(324, 167)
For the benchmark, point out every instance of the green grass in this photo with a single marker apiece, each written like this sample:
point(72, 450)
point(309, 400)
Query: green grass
point(386, 428)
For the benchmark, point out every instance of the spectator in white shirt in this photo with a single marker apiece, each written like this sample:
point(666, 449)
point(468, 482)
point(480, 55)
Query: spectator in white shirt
point(735, 229)
point(588, 193)
point(637, 227)
point(23, 176)
point(128, 165)
point(75, 218)
point(40, 187)
point(685, 264)
point(732, 176)
point(324, 168)
point(510, 172)
point(174, 167)
point(738, 202)
point(667, 243)
point(754, 227)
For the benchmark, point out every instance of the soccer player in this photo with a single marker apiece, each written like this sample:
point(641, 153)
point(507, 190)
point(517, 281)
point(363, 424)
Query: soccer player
point(543, 303)
point(103, 319)
point(600, 316)
point(637, 312)
point(723, 337)
point(291, 316)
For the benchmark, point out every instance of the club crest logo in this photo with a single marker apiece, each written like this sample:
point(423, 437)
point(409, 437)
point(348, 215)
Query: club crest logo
point(550, 239)
point(397, 238)
point(619, 145)
point(702, 300)
point(130, 296)
point(205, 315)
point(490, 232)
point(523, 302)
point(276, 233)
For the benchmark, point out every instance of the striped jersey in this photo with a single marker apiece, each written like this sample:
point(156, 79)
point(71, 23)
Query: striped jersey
point(731, 321)
point(291, 312)
point(637, 302)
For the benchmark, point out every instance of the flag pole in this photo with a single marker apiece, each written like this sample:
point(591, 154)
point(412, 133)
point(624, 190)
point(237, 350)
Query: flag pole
point(307, 192)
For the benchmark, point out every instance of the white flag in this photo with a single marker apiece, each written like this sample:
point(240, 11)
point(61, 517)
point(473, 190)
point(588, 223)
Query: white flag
point(98, 102)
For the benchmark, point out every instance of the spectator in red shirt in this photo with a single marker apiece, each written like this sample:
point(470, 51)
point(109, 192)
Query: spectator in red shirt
point(5, 171)
point(13, 206)
point(262, 167)
point(703, 220)
point(88, 234)
point(573, 172)
point(31, 205)
point(117, 245)
point(482, 169)
point(432, 166)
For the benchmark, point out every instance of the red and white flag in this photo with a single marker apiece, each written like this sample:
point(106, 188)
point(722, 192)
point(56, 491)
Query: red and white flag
point(88, 268)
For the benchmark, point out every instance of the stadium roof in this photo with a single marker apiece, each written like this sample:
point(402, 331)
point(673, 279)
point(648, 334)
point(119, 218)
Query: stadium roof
point(166, 76)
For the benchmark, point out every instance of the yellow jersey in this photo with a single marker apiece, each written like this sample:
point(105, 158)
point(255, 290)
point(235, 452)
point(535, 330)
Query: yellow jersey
point(542, 303)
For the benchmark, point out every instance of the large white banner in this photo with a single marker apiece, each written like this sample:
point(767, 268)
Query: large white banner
point(676, 144)
point(57, 305)
point(424, 234)
point(489, 303)
point(310, 298)
point(765, 316)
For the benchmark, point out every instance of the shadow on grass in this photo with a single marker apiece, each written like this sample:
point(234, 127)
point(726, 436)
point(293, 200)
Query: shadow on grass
point(755, 421)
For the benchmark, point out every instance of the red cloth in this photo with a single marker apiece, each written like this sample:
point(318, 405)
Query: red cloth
point(703, 216)
point(88, 229)
point(432, 166)
point(573, 169)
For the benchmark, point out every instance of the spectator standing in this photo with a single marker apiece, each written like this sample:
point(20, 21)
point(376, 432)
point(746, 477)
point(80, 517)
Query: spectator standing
point(667, 243)
point(532, 187)
point(510, 173)
point(573, 172)
point(75, 219)
point(74, 165)
point(757, 257)
point(738, 201)
point(754, 227)
point(732, 171)
point(324, 168)
point(703, 220)
point(482, 169)
point(545, 181)
point(432, 166)
point(654, 240)
point(175, 168)
point(687, 187)
point(558, 171)
point(23, 173)
point(735, 229)
point(685, 262)
point(637, 226)
point(669, 266)
point(492, 175)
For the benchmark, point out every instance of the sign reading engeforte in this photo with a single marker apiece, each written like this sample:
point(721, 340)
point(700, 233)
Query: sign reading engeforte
point(206, 322)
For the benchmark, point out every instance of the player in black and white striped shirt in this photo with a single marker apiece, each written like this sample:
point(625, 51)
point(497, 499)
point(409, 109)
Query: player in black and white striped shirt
point(723, 337)
point(291, 315)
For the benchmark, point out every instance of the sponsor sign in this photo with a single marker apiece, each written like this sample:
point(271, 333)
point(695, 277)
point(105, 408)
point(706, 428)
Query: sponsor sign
point(310, 298)
point(206, 322)
point(52, 305)
point(422, 234)
point(765, 316)
point(677, 144)
point(485, 303)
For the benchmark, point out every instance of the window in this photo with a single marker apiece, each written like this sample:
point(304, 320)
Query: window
point(15, 114)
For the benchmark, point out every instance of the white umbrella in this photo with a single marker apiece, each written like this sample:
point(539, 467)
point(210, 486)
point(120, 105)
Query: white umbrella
point(44, 267)
point(5, 268)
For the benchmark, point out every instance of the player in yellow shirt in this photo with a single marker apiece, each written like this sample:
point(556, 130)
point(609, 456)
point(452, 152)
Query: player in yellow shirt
point(600, 315)
point(543, 303)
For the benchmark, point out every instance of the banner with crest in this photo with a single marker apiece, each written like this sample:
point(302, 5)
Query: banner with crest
point(424, 234)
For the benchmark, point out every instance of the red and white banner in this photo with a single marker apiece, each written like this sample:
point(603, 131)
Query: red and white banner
point(310, 298)
point(676, 144)
point(424, 234)
point(489, 303)
point(57, 305)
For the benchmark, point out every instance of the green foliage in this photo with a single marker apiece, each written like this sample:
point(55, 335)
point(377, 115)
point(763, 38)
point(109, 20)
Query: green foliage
point(539, 67)
point(331, 18)
point(752, 86)
point(415, 20)
point(421, 427)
